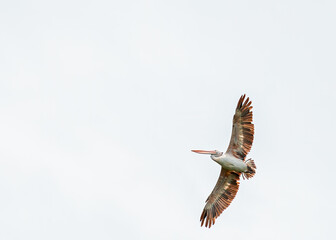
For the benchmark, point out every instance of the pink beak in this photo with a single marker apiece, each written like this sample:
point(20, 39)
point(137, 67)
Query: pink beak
point(204, 151)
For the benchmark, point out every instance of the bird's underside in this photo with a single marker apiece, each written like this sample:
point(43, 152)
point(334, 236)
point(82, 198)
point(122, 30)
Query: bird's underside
point(227, 185)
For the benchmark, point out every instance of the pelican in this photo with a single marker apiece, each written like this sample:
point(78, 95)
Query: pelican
point(233, 163)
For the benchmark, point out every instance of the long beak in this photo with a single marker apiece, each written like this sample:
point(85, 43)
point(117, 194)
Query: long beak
point(204, 151)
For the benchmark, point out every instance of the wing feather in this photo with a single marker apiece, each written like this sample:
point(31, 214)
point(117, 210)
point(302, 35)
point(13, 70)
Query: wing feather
point(242, 129)
point(221, 197)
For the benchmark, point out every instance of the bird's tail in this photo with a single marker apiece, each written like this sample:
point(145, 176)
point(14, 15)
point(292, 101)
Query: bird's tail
point(251, 169)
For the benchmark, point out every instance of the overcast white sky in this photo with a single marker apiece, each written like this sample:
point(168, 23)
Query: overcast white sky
point(102, 101)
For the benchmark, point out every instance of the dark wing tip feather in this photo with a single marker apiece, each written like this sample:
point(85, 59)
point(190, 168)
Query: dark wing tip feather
point(241, 99)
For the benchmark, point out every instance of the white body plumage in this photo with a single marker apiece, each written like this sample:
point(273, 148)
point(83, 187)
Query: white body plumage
point(230, 162)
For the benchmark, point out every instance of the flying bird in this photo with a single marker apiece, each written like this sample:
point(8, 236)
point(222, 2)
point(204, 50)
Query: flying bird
point(233, 163)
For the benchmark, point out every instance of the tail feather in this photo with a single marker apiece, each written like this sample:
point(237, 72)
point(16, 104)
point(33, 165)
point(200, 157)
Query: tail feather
point(251, 169)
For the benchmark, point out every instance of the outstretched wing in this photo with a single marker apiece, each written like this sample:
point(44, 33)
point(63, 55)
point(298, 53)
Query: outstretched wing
point(221, 196)
point(242, 129)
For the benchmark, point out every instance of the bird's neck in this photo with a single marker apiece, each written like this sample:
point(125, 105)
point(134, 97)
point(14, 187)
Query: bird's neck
point(216, 158)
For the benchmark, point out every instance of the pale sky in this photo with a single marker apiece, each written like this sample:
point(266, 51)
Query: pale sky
point(102, 101)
